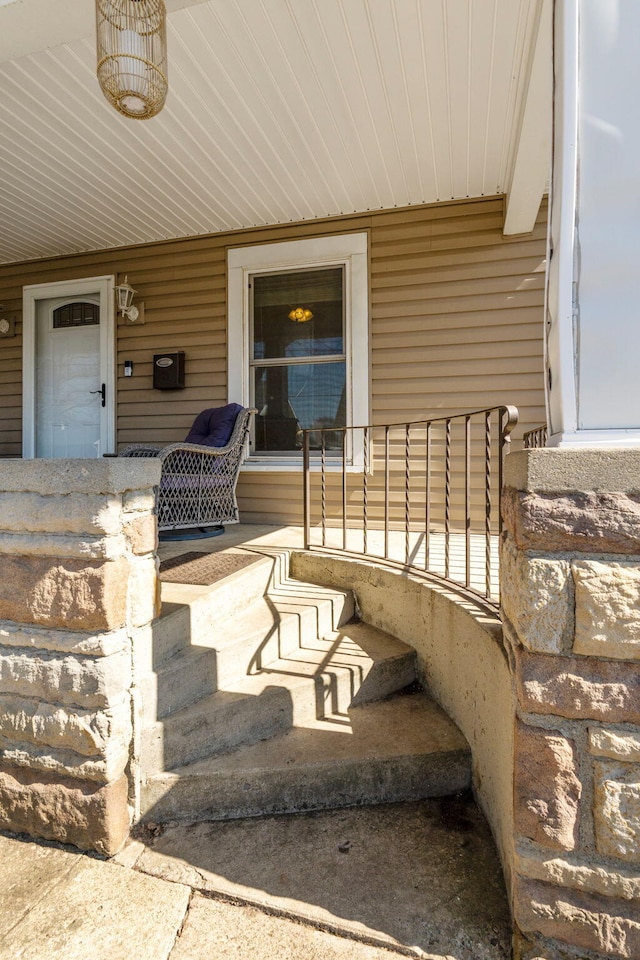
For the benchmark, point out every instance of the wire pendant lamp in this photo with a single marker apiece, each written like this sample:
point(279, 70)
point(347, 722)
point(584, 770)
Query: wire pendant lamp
point(132, 55)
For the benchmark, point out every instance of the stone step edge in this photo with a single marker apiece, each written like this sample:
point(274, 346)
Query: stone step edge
point(265, 684)
point(259, 574)
point(182, 774)
point(255, 684)
point(338, 605)
point(302, 693)
point(286, 608)
point(198, 659)
point(326, 785)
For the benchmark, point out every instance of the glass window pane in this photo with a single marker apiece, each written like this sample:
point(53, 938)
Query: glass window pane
point(76, 314)
point(298, 314)
point(296, 397)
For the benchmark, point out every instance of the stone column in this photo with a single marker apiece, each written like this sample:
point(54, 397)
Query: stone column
point(78, 580)
point(570, 589)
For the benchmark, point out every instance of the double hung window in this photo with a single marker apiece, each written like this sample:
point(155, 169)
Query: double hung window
point(298, 344)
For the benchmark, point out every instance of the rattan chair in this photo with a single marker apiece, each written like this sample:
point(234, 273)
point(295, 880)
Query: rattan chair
point(198, 481)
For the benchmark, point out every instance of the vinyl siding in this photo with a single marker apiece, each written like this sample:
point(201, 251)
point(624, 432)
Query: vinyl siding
point(456, 323)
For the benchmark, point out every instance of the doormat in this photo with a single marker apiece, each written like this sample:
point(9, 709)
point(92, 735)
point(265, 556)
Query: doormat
point(203, 569)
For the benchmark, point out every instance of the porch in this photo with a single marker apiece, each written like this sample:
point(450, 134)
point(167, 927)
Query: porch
point(408, 145)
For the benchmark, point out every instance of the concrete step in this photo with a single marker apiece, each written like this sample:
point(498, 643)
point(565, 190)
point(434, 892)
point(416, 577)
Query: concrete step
point(263, 617)
point(267, 630)
point(402, 748)
point(187, 677)
point(352, 665)
point(190, 610)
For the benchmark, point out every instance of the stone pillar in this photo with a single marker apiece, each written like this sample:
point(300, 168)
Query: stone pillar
point(570, 593)
point(593, 283)
point(78, 580)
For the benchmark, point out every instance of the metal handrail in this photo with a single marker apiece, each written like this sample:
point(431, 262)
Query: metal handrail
point(535, 438)
point(422, 495)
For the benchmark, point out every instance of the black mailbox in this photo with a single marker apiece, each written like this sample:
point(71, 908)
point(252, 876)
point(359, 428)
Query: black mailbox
point(168, 371)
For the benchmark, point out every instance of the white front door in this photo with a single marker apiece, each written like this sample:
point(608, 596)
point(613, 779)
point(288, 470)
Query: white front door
point(68, 397)
point(68, 375)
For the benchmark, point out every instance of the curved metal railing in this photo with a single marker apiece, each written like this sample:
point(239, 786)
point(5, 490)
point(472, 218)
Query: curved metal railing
point(423, 495)
point(535, 438)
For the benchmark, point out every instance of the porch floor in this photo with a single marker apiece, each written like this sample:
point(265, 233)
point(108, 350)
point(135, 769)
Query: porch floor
point(238, 535)
point(248, 535)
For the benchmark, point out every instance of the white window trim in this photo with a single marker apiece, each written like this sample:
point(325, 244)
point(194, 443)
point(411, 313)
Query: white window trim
point(349, 250)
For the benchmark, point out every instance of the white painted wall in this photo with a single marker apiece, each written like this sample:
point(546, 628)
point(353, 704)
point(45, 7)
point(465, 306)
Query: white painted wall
point(594, 279)
point(609, 215)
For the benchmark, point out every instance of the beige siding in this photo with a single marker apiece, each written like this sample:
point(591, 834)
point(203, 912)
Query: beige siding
point(456, 324)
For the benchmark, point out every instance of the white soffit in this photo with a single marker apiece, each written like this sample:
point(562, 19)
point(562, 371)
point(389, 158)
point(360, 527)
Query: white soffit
point(278, 111)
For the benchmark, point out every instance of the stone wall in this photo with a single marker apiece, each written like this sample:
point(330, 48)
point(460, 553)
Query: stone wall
point(78, 584)
point(570, 588)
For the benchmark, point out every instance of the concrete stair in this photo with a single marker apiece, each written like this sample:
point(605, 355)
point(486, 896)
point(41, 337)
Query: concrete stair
point(266, 696)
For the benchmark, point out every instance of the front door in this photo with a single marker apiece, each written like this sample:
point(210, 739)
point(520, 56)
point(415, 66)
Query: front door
point(68, 397)
point(68, 372)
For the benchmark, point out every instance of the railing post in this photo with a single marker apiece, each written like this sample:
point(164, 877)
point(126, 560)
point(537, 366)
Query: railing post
point(365, 489)
point(508, 419)
point(407, 491)
point(447, 498)
point(323, 486)
point(467, 501)
point(386, 492)
point(427, 496)
point(487, 502)
point(344, 489)
point(307, 489)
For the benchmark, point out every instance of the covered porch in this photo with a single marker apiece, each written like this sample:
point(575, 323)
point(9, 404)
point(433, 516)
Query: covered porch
point(399, 153)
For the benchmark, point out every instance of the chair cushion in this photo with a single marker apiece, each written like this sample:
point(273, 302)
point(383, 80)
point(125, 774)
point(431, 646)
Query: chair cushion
point(213, 427)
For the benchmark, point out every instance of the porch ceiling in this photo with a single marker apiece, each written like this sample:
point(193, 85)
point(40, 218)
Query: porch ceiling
point(279, 110)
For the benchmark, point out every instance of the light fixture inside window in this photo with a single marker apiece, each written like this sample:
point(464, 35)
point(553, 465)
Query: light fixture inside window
point(132, 55)
point(300, 315)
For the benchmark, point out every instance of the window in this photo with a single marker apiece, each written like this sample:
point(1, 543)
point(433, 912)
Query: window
point(298, 371)
point(79, 313)
point(298, 343)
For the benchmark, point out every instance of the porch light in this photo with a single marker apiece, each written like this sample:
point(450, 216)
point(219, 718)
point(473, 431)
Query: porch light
point(132, 55)
point(124, 298)
point(300, 315)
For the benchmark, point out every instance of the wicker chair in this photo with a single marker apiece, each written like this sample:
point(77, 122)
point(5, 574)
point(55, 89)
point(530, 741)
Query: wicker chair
point(198, 481)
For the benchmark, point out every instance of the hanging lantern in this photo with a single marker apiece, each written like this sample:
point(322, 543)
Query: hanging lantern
point(132, 55)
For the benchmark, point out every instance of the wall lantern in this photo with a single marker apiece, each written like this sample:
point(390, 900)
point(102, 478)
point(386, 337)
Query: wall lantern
point(132, 55)
point(125, 305)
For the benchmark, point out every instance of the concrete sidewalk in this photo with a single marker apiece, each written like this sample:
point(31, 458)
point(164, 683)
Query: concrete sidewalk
point(416, 879)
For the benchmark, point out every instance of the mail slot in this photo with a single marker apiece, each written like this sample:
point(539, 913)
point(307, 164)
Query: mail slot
point(168, 371)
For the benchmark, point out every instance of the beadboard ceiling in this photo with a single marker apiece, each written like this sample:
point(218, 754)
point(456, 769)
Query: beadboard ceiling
point(278, 111)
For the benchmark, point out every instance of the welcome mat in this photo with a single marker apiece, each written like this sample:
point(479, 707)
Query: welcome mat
point(203, 569)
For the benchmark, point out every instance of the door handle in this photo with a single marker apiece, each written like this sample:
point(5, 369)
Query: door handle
point(103, 393)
